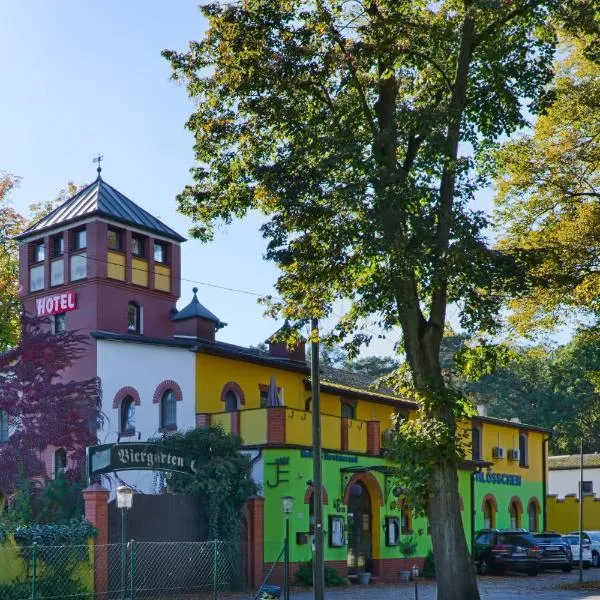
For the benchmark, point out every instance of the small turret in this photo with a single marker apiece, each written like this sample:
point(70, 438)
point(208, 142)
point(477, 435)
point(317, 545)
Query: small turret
point(280, 349)
point(195, 320)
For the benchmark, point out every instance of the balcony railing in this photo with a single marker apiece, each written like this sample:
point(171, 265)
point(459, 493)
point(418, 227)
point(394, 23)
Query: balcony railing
point(283, 426)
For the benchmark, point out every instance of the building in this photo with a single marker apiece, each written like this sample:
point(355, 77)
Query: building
point(102, 264)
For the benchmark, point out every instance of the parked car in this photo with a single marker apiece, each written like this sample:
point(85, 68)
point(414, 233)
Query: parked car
point(502, 550)
point(556, 552)
point(593, 539)
point(586, 552)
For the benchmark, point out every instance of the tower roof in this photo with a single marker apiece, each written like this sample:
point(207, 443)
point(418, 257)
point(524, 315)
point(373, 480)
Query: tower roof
point(196, 310)
point(101, 199)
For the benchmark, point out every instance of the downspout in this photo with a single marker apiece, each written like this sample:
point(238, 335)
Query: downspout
point(473, 473)
point(544, 486)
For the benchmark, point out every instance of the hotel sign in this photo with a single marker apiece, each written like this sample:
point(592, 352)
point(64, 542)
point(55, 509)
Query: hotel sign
point(501, 478)
point(136, 456)
point(59, 303)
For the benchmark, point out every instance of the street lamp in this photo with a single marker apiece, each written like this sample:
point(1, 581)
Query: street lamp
point(288, 508)
point(124, 502)
point(415, 574)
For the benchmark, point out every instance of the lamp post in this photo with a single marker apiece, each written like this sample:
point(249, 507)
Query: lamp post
point(124, 502)
point(288, 508)
point(415, 574)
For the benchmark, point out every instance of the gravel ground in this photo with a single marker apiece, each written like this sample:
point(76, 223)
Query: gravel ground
point(506, 587)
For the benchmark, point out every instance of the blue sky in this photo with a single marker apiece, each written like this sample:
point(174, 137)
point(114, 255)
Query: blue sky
point(81, 78)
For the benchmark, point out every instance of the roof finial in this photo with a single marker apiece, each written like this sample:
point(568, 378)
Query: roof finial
point(98, 160)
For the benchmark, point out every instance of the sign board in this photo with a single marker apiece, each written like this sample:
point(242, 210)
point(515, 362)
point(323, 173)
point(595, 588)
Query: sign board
point(501, 478)
point(51, 305)
point(136, 456)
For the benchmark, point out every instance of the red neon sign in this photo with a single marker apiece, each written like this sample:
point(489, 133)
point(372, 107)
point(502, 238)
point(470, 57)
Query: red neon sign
point(50, 305)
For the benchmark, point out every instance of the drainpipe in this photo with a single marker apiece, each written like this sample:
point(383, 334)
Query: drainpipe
point(544, 486)
point(477, 470)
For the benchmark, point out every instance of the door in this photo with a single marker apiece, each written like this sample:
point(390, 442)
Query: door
point(359, 529)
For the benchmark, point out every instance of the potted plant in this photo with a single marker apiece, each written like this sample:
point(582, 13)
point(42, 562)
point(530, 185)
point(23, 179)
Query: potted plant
point(408, 547)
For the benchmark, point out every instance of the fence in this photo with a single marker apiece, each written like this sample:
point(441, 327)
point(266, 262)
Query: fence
point(175, 570)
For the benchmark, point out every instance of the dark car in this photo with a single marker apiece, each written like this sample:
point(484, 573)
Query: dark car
point(500, 550)
point(556, 552)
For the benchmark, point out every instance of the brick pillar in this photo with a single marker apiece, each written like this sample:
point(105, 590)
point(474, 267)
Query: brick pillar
point(344, 438)
point(255, 548)
point(373, 438)
point(235, 422)
point(95, 498)
point(202, 420)
point(276, 425)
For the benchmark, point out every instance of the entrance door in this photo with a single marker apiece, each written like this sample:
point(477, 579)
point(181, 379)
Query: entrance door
point(359, 529)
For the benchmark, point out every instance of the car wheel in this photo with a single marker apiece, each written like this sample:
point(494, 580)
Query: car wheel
point(483, 567)
point(595, 559)
point(533, 571)
point(567, 568)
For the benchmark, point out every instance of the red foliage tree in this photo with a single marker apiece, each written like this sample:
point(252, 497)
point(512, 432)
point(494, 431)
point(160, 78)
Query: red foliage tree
point(44, 410)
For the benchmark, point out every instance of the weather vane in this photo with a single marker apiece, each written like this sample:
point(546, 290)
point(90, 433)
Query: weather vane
point(98, 160)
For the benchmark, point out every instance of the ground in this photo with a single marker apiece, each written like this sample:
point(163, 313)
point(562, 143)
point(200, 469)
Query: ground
point(509, 587)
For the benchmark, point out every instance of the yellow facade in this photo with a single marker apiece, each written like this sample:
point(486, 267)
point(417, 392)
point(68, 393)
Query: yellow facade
point(162, 277)
point(116, 265)
point(563, 514)
point(139, 271)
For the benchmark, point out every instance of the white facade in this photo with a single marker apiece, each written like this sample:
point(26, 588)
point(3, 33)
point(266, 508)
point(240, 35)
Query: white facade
point(566, 481)
point(143, 367)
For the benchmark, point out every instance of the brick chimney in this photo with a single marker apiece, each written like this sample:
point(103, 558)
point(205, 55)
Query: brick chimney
point(278, 346)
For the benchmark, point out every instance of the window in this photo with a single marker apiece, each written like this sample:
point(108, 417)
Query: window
point(3, 427)
point(523, 458)
point(476, 443)
point(348, 411)
point(58, 245)
point(168, 410)
point(488, 515)
point(514, 515)
point(57, 272)
point(134, 318)
point(231, 401)
point(60, 462)
point(264, 398)
point(127, 415)
point(36, 278)
point(137, 245)
point(78, 266)
point(587, 487)
point(308, 404)
point(532, 516)
point(160, 252)
point(39, 251)
point(79, 240)
point(114, 239)
point(59, 323)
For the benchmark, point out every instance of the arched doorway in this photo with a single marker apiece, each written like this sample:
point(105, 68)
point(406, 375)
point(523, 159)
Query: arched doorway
point(359, 529)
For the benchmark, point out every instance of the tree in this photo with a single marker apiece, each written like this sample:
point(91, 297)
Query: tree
point(42, 410)
point(222, 481)
point(342, 121)
point(39, 210)
point(549, 201)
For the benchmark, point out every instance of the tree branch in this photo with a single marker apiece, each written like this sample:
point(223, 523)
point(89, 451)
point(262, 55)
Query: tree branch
point(431, 61)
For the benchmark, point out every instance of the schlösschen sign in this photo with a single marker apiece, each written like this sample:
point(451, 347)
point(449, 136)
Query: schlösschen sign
point(136, 456)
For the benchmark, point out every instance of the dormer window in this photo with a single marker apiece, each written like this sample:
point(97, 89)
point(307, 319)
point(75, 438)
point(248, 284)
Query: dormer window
point(134, 314)
point(114, 239)
point(38, 252)
point(137, 246)
point(160, 252)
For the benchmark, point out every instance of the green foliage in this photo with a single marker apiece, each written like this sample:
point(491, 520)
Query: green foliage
point(15, 591)
point(408, 545)
point(304, 576)
point(61, 501)
point(77, 532)
point(222, 482)
point(429, 566)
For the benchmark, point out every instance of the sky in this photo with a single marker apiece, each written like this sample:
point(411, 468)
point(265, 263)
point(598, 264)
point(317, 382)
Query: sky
point(82, 78)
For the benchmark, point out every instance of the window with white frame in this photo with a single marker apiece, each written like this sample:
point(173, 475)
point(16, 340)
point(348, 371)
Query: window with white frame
point(127, 416)
point(168, 410)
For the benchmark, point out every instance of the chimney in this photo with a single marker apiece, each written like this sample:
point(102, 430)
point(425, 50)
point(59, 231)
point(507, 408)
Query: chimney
point(482, 410)
point(279, 349)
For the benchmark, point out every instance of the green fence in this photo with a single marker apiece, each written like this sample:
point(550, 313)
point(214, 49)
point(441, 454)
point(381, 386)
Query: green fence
point(187, 570)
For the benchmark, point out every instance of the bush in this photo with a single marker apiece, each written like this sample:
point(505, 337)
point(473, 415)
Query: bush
point(15, 591)
point(304, 576)
point(429, 566)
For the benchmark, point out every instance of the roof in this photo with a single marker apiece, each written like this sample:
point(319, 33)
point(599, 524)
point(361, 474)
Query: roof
point(572, 461)
point(514, 424)
point(282, 333)
point(196, 310)
point(101, 199)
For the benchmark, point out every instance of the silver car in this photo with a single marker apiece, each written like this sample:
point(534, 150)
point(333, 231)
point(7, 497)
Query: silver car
point(593, 539)
point(586, 551)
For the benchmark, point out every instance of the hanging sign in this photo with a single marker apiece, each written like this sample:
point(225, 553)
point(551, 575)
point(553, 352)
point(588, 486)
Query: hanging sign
point(59, 303)
point(136, 456)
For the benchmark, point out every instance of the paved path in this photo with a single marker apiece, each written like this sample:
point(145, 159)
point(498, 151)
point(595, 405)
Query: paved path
point(508, 587)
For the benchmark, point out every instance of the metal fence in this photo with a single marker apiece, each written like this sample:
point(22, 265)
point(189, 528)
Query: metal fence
point(175, 570)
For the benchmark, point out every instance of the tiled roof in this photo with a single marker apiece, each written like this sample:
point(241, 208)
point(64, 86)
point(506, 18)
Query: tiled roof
point(101, 199)
point(571, 461)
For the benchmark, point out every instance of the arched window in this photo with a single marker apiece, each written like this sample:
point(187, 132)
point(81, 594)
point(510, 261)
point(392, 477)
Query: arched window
point(168, 410)
point(134, 318)
point(514, 515)
point(60, 462)
point(127, 415)
point(532, 516)
point(231, 401)
point(488, 515)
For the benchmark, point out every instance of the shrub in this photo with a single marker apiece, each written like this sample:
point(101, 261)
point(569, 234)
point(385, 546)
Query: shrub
point(304, 576)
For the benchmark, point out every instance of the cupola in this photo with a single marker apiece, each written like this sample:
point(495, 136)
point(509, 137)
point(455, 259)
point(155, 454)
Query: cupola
point(195, 320)
point(280, 349)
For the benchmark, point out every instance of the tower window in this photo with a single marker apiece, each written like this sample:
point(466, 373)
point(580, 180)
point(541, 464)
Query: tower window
point(114, 239)
point(58, 245)
point(137, 246)
point(160, 252)
point(168, 410)
point(57, 271)
point(59, 323)
point(127, 417)
point(78, 266)
point(134, 321)
point(39, 252)
point(60, 462)
point(79, 239)
point(36, 278)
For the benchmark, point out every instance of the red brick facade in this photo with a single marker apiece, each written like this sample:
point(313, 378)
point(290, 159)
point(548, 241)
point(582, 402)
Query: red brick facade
point(202, 420)
point(373, 438)
point(276, 425)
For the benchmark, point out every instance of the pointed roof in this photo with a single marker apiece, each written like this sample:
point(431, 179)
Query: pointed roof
point(101, 199)
point(196, 310)
point(284, 329)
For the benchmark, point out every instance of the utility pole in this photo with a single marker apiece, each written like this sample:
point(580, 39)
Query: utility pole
point(318, 557)
point(581, 510)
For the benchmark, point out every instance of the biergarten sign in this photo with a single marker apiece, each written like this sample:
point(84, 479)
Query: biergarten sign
point(136, 456)
point(501, 478)
point(59, 303)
